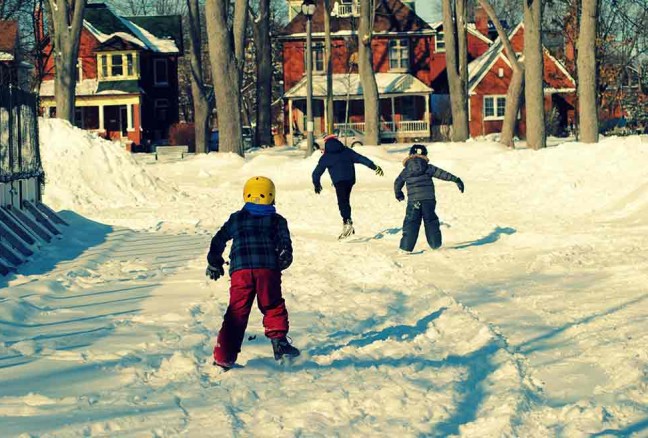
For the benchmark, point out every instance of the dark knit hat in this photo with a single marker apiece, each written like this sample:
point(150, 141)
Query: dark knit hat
point(418, 149)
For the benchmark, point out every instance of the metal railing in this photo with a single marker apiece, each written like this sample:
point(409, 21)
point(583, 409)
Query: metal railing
point(407, 128)
point(348, 9)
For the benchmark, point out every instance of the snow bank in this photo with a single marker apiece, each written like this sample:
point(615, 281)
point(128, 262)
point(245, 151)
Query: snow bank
point(88, 174)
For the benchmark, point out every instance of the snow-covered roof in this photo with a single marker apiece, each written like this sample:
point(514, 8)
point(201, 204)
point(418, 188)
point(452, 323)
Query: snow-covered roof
point(343, 84)
point(5, 56)
point(160, 34)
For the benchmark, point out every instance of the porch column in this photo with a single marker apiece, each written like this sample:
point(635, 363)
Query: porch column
point(101, 118)
point(290, 121)
point(325, 116)
point(129, 116)
point(393, 108)
point(427, 111)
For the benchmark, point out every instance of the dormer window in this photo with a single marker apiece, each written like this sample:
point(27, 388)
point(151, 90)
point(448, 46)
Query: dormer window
point(399, 54)
point(117, 66)
point(440, 42)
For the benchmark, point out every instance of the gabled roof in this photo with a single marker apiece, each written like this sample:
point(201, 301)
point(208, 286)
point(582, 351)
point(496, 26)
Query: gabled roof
point(392, 16)
point(8, 39)
point(478, 69)
point(160, 34)
point(472, 30)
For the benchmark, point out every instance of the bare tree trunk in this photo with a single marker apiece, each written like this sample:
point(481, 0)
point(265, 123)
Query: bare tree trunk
point(367, 77)
point(226, 70)
point(516, 86)
point(454, 29)
point(328, 59)
point(534, 74)
point(587, 78)
point(67, 19)
point(264, 74)
point(202, 109)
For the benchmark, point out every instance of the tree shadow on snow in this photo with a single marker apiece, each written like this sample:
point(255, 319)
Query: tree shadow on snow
point(493, 237)
point(637, 427)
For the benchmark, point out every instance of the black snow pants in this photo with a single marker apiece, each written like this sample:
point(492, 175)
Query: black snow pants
point(417, 211)
point(343, 192)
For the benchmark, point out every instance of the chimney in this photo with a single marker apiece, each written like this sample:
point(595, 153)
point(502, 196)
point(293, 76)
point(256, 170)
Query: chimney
point(481, 20)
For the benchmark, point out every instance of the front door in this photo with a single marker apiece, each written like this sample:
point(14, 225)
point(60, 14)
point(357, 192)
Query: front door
point(116, 121)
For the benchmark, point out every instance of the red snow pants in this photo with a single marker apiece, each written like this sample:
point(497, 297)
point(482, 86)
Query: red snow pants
point(265, 284)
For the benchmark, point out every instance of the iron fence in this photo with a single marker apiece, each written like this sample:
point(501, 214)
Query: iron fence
point(19, 148)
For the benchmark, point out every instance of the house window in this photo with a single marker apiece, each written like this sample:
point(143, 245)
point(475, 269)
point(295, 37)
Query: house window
point(318, 58)
point(160, 72)
point(494, 107)
point(117, 67)
point(129, 65)
point(104, 66)
point(500, 72)
point(161, 109)
point(399, 54)
point(440, 42)
point(78, 117)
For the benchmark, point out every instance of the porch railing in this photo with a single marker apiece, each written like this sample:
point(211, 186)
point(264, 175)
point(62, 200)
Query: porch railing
point(348, 10)
point(408, 128)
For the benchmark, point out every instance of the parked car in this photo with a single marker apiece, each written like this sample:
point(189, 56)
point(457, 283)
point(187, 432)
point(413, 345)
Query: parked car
point(248, 139)
point(349, 137)
point(213, 141)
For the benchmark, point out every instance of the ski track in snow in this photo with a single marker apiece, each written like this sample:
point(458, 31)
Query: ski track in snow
point(531, 321)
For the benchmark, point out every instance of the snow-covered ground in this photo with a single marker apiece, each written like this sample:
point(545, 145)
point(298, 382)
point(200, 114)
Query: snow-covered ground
point(531, 321)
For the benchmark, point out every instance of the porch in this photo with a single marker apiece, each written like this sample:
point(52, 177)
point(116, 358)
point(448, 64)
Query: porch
point(404, 105)
point(115, 119)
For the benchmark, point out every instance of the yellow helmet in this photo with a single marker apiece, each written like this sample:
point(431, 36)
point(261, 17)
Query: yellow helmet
point(259, 190)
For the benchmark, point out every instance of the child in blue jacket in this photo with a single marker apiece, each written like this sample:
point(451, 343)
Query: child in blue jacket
point(340, 162)
point(421, 199)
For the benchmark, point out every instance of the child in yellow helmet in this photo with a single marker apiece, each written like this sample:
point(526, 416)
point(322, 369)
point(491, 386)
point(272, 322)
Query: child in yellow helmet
point(261, 250)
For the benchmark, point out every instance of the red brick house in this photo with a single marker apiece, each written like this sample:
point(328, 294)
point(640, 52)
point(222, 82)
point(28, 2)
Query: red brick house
point(401, 47)
point(127, 76)
point(13, 71)
point(489, 78)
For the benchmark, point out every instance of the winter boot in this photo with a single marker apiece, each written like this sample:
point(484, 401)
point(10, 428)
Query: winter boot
point(281, 347)
point(347, 229)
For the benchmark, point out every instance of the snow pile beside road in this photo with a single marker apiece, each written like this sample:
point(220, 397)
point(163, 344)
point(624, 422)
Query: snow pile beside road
point(86, 173)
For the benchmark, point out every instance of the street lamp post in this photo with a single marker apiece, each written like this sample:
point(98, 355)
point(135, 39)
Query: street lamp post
point(308, 9)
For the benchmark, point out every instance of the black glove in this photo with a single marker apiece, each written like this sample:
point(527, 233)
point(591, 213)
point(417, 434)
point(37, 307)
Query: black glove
point(214, 272)
point(379, 171)
point(460, 184)
point(285, 259)
point(400, 197)
point(318, 188)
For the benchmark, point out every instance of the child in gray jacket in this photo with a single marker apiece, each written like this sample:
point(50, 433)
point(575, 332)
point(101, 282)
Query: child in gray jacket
point(421, 200)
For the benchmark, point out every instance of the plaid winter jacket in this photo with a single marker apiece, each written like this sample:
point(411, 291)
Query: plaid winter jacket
point(257, 242)
point(418, 175)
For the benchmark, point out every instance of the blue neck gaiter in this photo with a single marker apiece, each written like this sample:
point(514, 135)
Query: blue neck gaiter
point(259, 210)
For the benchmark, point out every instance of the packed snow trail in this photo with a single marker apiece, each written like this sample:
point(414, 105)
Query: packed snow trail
point(531, 321)
point(122, 337)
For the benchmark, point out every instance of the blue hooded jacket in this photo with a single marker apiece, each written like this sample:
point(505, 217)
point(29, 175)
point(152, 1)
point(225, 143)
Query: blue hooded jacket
point(340, 161)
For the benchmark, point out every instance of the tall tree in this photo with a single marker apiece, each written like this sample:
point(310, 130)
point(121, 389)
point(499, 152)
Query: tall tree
point(454, 29)
point(328, 60)
point(367, 76)
point(226, 50)
point(514, 92)
point(534, 74)
point(263, 54)
point(67, 19)
point(201, 103)
point(587, 80)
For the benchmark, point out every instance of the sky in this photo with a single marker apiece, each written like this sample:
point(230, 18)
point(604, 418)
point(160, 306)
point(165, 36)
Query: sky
point(428, 9)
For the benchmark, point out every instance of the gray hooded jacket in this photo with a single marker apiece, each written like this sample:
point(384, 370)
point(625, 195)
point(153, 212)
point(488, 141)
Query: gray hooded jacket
point(418, 174)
